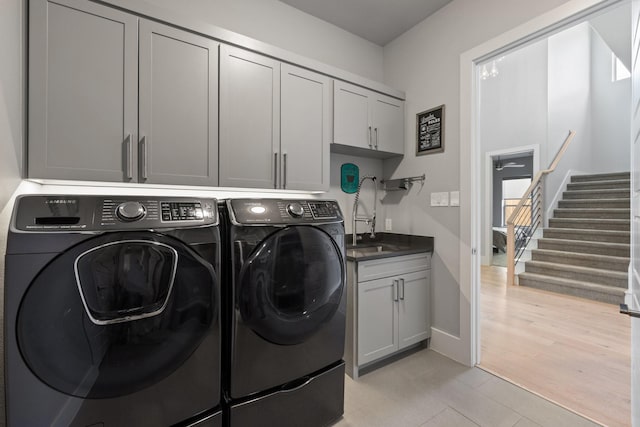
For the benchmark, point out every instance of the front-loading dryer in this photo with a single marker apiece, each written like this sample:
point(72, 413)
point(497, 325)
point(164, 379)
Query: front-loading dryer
point(285, 322)
point(112, 312)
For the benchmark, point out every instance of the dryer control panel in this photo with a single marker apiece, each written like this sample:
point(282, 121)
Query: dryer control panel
point(44, 213)
point(279, 211)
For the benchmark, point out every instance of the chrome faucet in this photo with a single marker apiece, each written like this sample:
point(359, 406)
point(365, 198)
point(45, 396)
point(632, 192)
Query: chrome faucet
point(371, 221)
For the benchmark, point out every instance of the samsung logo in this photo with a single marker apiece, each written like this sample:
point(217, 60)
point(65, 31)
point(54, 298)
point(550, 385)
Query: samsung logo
point(61, 201)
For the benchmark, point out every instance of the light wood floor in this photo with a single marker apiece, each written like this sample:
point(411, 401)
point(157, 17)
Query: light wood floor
point(573, 351)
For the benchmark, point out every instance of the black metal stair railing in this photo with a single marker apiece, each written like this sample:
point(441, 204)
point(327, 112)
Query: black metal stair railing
point(528, 216)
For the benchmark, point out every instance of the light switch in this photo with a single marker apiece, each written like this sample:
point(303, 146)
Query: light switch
point(454, 198)
point(388, 224)
point(440, 199)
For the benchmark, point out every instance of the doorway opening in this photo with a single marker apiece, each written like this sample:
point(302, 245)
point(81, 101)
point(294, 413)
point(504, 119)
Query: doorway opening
point(503, 166)
point(534, 95)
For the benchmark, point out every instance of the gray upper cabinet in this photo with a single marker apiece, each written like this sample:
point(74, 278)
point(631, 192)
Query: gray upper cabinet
point(366, 122)
point(388, 124)
point(121, 98)
point(249, 119)
point(105, 105)
point(178, 140)
point(82, 91)
point(305, 129)
point(351, 116)
point(275, 123)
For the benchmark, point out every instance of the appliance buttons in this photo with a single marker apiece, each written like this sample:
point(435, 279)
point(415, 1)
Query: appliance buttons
point(130, 211)
point(295, 209)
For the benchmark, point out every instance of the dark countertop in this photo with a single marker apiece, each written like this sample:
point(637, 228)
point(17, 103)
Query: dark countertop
point(386, 245)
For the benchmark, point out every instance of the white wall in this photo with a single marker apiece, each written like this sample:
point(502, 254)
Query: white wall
point(610, 118)
point(11, 94)
point(281, 25)
point(513, 113)
point(425, 63)
point(513, 105)
point(569, 104)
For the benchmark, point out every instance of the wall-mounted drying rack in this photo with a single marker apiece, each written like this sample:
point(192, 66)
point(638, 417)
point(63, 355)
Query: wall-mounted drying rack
point(401, 183)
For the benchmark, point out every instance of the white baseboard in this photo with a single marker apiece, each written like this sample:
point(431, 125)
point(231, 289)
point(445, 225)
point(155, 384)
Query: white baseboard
point(448, 345)
point(556, 198)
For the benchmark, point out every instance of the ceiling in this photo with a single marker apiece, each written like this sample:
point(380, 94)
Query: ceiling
point(378, 21)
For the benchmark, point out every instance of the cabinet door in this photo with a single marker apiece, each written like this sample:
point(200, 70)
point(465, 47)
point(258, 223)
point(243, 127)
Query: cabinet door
point(178, 107)
point(83, 76)
point(413, 305)
point(351, 124)
point(388, 124)
point(249, 119)
point(305, 129)
point(377, 319)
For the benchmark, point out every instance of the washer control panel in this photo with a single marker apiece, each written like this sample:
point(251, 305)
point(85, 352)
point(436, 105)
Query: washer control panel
point(182, 211)
point(130, 211)
point(277, 211)
point(92, 213)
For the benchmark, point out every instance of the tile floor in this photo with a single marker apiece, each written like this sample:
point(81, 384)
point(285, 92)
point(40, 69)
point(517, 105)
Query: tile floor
point(429, 390)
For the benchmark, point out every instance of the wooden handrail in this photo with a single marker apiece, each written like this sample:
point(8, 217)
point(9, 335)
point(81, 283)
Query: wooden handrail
point(535, 182)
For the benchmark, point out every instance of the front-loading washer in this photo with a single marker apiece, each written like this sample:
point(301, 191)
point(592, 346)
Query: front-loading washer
point(112, 312)
point(285, 318)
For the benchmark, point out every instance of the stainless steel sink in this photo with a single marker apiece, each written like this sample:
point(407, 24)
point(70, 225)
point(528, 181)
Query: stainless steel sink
point(372, 249)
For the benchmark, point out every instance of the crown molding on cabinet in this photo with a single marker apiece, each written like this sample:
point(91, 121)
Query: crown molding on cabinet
point(150, 11)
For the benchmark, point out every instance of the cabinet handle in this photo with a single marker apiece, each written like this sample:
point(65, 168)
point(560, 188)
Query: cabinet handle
point(402, 295)
point(395, 290)
point(370, 144)
point(275, 170)
point(284, 166)
point(143, 157)
point(128, 166)
point(376, 131)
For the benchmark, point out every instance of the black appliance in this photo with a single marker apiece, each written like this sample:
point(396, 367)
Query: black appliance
point(112, 312)
point(285, 318)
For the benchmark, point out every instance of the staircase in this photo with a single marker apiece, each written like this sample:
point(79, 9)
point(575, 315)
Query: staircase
point(585, 250)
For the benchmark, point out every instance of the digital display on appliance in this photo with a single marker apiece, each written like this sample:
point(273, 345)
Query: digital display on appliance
point(181, 211)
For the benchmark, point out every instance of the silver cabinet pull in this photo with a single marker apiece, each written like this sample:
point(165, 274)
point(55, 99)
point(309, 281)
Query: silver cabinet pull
point(395, 290)
point(143, 157)
point(275, 170)
point(284, 167)
point(128, 162)
point(370, 144)
point(402, 288)
point(376, 131)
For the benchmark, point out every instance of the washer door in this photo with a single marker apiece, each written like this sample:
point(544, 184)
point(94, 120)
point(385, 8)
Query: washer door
point(116, 314)
point(291, 285)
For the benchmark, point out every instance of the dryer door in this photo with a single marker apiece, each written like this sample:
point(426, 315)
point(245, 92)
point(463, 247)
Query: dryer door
point(291, 285)
point(116, 314)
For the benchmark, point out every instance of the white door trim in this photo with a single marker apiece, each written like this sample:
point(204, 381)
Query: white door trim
point(466, 348)
point(487, 250)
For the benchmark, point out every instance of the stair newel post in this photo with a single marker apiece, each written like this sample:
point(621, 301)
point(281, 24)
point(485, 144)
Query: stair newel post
point(511, 252)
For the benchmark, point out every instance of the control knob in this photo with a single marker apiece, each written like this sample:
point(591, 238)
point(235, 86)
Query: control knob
point(130, 211)
point(295, 209)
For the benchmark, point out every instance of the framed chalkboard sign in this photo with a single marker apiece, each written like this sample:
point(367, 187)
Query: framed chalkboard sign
point(430, 131)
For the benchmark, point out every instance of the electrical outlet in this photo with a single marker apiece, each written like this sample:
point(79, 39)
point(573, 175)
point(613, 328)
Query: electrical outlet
point(388, 224)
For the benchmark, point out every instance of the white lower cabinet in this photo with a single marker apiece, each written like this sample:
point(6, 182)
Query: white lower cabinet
point(388, 304)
